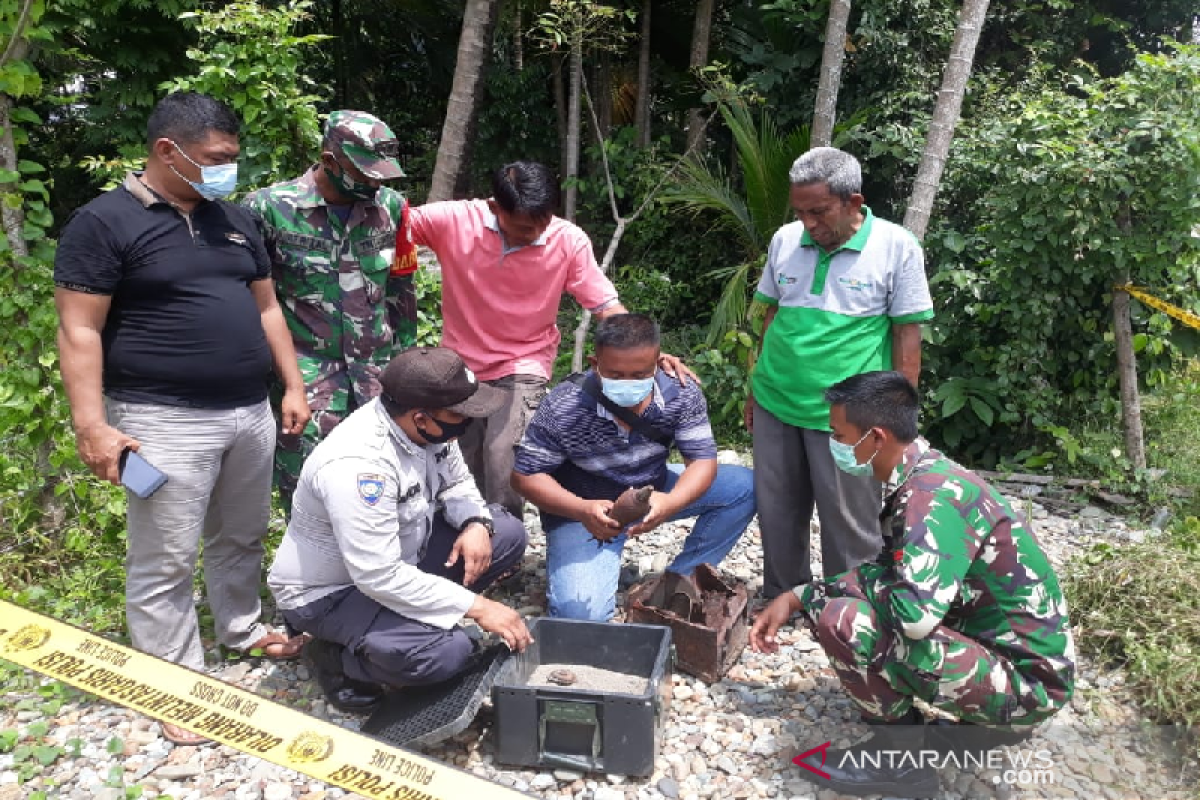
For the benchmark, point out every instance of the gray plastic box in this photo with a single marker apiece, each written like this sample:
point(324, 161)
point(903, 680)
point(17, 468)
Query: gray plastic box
point(565, 727)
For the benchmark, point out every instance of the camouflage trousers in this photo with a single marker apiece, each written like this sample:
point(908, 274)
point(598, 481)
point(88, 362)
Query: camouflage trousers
point(331, 398)
point(883, 671)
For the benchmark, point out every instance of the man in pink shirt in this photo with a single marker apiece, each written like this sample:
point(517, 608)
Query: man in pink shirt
point(506, 262)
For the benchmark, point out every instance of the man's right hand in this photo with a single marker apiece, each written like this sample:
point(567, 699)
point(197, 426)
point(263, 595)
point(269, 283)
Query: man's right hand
point(770, 620)
point(501, 620)
point(748, 412)
point(597, 521)
point(100, 446)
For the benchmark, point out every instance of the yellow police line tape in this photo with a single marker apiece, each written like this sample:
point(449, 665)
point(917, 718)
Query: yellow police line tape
point(230, 715)
point(1186, 317)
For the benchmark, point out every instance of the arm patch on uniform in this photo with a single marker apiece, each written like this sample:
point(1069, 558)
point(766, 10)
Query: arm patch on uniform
point(370, 487)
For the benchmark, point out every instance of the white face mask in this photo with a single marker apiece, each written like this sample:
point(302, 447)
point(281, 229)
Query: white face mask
point(216, 181)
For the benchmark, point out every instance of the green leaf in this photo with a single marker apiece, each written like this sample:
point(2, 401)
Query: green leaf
point(46, 754)
point(9, 176)
point(25, 115)
point(982, 410)
point(953, 405)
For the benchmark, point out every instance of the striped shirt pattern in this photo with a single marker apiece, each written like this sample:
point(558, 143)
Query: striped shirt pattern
point(574, 439)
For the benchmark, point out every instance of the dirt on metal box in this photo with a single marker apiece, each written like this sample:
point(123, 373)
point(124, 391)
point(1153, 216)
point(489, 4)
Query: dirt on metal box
point(581, 729)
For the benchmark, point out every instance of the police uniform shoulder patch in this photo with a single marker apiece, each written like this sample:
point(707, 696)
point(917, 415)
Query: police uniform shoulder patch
point(370, 487)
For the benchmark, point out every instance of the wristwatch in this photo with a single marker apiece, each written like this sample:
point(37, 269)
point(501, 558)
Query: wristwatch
point(484, 521)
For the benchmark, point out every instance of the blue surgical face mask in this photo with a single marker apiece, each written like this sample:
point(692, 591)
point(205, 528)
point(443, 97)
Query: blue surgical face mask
point(847, 462)
point(216, 181)
point(627, 392)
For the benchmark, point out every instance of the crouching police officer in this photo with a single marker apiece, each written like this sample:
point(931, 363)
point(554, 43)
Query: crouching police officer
point(390, 542)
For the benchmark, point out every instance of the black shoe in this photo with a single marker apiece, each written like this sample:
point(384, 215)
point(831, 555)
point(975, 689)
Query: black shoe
point(341, 692)
point(888, 763)
point(968, 743)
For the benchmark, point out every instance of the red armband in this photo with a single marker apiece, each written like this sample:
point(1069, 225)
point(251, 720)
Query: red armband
point(404, 262)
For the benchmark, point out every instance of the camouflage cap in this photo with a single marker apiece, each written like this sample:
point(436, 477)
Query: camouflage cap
point(367, 141)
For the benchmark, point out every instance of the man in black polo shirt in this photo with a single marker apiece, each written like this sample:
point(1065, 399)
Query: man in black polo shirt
point(168, 331)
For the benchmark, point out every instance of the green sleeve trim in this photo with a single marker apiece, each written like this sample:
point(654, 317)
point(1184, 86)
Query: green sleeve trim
point(908, 319)
point(759, 297)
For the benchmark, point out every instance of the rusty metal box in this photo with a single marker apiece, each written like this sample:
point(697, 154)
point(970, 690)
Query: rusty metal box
point(709, 618)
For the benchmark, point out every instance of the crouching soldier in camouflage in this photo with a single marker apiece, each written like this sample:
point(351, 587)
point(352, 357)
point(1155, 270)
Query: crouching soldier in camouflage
point(347, 295)
point(961, 609)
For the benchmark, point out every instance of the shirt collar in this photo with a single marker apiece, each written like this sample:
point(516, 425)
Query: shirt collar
point(912, 456)
point(856, 242)
point(492, 224)
point(141, 192)
point(397, 433)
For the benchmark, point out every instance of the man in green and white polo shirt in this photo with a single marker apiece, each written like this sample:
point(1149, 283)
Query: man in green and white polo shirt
point(846, 293)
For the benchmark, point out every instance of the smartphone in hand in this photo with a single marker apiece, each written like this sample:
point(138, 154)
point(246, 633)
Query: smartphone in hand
point(140, 476)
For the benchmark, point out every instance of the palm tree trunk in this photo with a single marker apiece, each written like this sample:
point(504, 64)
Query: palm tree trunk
point(560, 113)
point(641, 113)
point(825, 113)
point(473, 46)
point(945, 116)
point(571, 196)
point(701, 34)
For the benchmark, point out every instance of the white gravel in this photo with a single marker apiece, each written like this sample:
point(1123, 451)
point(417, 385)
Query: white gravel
point(731, 739)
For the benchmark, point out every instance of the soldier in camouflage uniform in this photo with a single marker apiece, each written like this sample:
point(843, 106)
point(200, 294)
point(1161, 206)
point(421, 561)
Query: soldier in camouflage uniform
point(962, 609)
point(347, 295)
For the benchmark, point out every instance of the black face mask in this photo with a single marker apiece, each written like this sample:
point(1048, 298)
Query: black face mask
point(450, 430)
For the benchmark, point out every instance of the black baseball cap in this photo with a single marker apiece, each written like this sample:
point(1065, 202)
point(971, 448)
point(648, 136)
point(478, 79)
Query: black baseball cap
point(436, 377)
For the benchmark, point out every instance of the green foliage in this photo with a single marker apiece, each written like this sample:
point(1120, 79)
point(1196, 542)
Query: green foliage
point(62, 530)
point(250, 56)
point(749, 211)
point(1059, 195)
point(725, 372)
point(655, 267)
point(428, 287)
point(596, 25)
point(1136, 606)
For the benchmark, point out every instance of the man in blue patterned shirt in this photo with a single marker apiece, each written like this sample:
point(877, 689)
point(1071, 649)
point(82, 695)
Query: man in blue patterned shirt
point(577, 457)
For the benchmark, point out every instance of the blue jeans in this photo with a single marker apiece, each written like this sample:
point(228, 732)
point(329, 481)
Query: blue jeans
point(583, 574)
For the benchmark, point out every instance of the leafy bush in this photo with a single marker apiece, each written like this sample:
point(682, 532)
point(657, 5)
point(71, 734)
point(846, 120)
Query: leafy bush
point(725, 371)
point(1057, 196)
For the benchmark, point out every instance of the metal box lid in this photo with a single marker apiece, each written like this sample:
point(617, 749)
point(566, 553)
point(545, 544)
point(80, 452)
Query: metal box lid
point(416, 716)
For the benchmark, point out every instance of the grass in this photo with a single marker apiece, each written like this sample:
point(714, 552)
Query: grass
point(1137, 606)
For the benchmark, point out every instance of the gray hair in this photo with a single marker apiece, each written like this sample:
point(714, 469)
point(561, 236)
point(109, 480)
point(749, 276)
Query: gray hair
point(837, 169)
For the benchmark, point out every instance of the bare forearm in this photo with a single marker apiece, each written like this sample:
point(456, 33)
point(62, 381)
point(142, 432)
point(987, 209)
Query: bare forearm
point(549, 495)
point(697, 476)
point(81, 360)
point(608, 311)
point(283, 352)
point(906, 351)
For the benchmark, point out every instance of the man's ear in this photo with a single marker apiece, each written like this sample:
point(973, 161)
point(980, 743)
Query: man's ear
point(491, 203)
point(856, 201)
point(592, 361)
point(164, 150)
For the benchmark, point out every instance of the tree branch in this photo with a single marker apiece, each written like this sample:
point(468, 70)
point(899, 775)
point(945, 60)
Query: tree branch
point(18, 32)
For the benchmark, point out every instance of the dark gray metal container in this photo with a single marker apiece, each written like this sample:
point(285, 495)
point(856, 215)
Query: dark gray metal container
point(564, 727)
